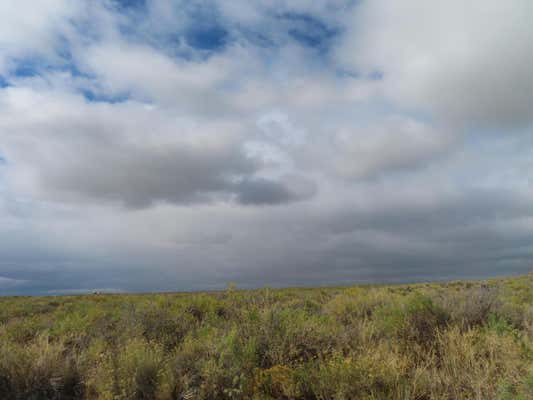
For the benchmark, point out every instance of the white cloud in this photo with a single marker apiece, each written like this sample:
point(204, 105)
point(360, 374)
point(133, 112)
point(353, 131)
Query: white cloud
point(123, 67)
point(30, 28)
point(468, 62)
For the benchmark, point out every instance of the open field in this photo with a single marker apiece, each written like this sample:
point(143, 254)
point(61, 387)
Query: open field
point(457, 340)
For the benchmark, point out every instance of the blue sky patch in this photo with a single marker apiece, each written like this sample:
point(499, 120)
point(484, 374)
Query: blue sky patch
point(3, 82)
point(209, 38)
point(25, 68)
point(129, 4)
point(308, 30)
point(95, 97)
point(30, 67)
point(258, 39)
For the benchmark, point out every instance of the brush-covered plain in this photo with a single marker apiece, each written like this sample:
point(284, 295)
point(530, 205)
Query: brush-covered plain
point(455, 340)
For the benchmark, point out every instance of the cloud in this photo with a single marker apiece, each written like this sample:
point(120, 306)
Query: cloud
point(146, 73)
point(395, 143)
point(467, 63)
point(6, 283)
point(33, 29)
point(68, 149)
point(264, 191)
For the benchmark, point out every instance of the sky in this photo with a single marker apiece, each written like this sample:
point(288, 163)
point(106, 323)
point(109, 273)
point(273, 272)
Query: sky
point(166, 145)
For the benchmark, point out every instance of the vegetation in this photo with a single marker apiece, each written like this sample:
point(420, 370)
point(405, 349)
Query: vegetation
point(457, 340)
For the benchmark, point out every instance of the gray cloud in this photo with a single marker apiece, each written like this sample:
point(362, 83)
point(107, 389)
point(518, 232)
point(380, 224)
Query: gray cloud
point(396, 143)
point(6, 283)
point(264, 191)
point(94, 153)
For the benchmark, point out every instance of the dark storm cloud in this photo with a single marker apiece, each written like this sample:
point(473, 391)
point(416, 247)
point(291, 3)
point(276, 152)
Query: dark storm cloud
point(445, 239)
point(479, 234)
point(447, 210)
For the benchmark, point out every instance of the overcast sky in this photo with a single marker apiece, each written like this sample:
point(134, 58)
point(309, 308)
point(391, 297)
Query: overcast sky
point(151, 145)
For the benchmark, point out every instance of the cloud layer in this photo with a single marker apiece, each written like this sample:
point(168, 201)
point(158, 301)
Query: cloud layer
point(167, 145)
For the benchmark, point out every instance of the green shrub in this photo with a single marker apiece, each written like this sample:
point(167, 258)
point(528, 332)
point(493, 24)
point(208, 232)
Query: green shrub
point(140, 365)
point(416, 321)
point(470, 307)
point(288, 336)
point(38, 371)
point(354, 304)
point(165, 326)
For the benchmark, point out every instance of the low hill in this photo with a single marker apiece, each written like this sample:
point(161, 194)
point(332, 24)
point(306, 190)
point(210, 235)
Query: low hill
point(454, 340)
